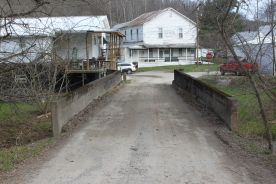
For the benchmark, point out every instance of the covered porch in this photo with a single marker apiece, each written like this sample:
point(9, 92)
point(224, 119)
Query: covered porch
point(160, 54)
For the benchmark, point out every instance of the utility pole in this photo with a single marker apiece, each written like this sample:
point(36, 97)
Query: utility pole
point(197, 31)
point(273, 36)
point(110, 13)
point(145, 1)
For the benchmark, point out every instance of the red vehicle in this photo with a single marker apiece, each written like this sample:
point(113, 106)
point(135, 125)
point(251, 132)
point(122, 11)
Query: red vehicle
point(232, 66)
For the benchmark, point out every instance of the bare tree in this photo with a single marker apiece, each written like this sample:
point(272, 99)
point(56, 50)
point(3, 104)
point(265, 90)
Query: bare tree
point(226, 17)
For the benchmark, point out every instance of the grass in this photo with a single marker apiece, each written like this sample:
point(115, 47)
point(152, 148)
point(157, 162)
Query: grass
point(10, 157)
point(249, 118)
point(16, 112)
point(22, 133)
point(186, 68)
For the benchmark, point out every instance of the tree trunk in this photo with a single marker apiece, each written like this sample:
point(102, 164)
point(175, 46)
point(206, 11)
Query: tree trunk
point(262, 111)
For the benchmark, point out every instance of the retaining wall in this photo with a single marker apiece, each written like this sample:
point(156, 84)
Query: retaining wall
point(222, 104)
point(67, 107)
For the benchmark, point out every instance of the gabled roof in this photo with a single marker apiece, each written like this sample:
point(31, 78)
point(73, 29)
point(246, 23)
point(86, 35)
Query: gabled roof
point(48, 26)
point(266, 30)
point(244, 37)
point(142, 19)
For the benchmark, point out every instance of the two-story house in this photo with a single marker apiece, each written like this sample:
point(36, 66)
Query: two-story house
point(159, 36)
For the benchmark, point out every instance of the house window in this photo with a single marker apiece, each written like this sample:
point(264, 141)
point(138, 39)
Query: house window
point(100, 40)
point(125, 34)
point(191, 51)
point(160, 32)
point(161, 53)
point(131, 34)
point(137, 33)
point(22, 43)
point(180, 32)
point(180, 52)
point(167, 52)
point(74, 54)
point(95, 40)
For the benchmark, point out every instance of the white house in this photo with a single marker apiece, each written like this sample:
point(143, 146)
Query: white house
point(257, 44)
point(159, 37)
point(68, 37)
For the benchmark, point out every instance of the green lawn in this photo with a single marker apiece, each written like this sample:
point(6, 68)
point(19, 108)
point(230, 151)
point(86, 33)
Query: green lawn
point(20, 126)
point(185, 68)
point(16, 154)
point(249, 119)
point(16, 112)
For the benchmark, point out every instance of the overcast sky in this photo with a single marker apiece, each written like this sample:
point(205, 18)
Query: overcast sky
point(250, 11)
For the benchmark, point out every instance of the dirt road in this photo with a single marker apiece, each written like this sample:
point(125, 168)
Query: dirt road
point(146, 134)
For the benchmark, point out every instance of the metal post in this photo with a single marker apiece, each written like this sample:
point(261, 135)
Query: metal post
point(197, 31)
point(124, 76)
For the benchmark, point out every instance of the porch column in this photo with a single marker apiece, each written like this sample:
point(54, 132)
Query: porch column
point(125, 53)
point(131, 55)
point(158, 54)
point(170, 55)
point(87, 51)
point(138, 55)
point(186, 54)
point(148, 55)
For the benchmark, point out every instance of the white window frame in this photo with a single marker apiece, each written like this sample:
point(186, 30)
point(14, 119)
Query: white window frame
point(160, 32)
point(131, 34)
point(180, 33)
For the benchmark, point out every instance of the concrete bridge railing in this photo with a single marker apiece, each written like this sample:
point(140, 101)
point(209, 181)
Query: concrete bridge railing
point(222, 104)
point(67, 107)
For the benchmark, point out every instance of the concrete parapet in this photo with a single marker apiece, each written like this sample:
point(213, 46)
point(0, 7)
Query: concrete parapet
point(222, 104)
point(65, 108)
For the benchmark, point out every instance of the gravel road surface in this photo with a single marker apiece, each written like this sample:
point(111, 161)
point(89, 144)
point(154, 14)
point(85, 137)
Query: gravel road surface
point(146, 134)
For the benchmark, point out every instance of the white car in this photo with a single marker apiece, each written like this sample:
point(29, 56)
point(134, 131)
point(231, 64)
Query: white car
point(126, 67)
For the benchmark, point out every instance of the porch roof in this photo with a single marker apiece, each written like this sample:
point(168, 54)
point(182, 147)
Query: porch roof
point(172, 46)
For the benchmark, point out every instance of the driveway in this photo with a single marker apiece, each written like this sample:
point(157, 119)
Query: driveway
point(147, 134)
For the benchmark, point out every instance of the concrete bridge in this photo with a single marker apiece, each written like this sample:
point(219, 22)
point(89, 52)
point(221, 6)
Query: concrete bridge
point(146, 134)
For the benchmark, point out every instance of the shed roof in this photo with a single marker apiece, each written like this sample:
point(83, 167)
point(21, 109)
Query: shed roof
point(246, 36)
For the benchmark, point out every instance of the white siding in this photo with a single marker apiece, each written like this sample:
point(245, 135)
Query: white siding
point(170, 22)
point(65, 46)
point(135, 37)
point(34, 47)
